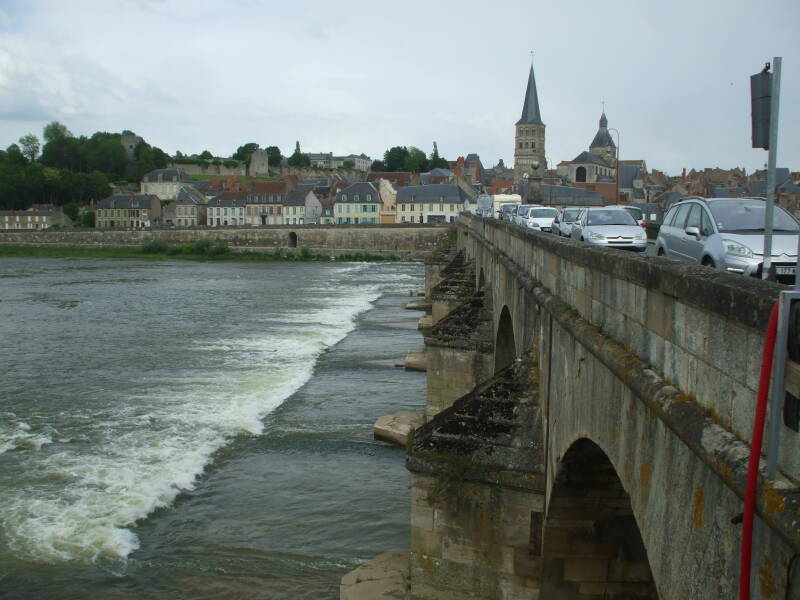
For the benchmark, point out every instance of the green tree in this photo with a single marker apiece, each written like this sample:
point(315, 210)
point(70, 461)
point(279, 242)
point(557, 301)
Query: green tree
point(97, 186)
point(348, 163)
point(160, 158)
point(378, 165)
point(436, 161)
point(206, 155)
point(55, 131)
point(395, 158)
point(30, 146)
point(274, 156)
point(416, 161)
point(244, 153)
point(87, 220)
point(145, 160)
point(298, 159)
point(71, 209)
point(15, 155)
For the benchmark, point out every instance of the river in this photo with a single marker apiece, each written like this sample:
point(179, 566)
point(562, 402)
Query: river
point(177, 429)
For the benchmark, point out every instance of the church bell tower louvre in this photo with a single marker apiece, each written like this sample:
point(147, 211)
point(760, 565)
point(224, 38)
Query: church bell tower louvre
point(529, 148)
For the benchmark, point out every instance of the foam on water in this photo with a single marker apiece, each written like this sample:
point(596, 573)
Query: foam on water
point(18, 435)
point(136, 454)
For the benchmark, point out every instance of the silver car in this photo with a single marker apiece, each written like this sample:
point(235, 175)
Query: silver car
point(521, 216)
point(728, 233)
point(611, 228)
point(562, 225)
point(540, 218)
point(507, 212)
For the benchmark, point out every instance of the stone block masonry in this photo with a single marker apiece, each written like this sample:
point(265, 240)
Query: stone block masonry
point(377, 238)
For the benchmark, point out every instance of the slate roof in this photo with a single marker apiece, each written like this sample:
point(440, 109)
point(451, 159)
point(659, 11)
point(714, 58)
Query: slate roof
point(729, 192)
point(189, 195)
point(447, 193)
point(127, 201)
point(627, 173)
point(295, 198)
point(602, 139)
point(587, 157)
point(167, 175)
point(530, 109)
point(564, 195)
point(228, 199)
point(361, 188)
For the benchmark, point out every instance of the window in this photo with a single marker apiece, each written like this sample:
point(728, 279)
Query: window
point(680, 216)
point(355, 198)
point(403, 207)
point(369, 197)
point(344, 197)
point(412, 218)
point(412, 209)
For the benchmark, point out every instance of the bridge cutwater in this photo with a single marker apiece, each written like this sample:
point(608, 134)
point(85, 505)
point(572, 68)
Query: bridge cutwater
point(588, 427)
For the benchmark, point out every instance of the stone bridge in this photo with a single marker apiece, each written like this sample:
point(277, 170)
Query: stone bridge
point(588, 427)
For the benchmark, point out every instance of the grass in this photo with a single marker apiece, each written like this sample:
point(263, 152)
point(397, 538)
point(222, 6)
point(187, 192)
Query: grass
point(204, 249)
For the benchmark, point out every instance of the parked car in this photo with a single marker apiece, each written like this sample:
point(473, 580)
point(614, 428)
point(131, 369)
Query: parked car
point(541, 218)
point(520, 217)
point(728, 233)
point(562, 225)
point(507, 212)
point(611, 227)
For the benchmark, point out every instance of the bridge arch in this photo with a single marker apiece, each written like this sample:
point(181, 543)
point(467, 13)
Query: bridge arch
point(592, 546)
point(505, 347)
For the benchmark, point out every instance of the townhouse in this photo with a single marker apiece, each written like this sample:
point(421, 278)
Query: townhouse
point(359, 203)
point(128, 210)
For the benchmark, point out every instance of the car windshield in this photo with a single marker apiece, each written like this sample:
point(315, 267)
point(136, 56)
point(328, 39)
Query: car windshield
point(636, 213)
point(543, 213)
point(609, 217)
point(571, 214)
point(748, 215)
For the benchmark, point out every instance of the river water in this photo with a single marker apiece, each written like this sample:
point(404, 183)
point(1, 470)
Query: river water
point(189, 430)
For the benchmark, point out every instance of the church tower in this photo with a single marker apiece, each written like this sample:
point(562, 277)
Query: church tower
point(529, 139)
point(603, 144)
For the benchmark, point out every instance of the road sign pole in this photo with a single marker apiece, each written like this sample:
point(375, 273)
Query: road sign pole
point(773, 151)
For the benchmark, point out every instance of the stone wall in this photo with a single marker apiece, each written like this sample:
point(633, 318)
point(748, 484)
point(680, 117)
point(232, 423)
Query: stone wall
point(375, 238)
point(210, 169)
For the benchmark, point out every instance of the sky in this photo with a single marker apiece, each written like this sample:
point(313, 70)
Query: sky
point(352, 77)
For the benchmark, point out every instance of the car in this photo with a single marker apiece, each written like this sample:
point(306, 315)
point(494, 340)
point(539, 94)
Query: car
point(520, 217)
point(541, 218)
point(609, 227)
point(562, 225)
point(507, 212)
point(728, 233)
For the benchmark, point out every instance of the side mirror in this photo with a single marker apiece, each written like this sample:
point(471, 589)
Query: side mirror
point(556, 221)
point(693, 231)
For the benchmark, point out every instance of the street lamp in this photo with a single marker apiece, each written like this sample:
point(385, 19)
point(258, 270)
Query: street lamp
point(616, 201)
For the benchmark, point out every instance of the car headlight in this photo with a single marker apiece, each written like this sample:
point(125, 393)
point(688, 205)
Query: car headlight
point(533, 224)
point(639, 236)
point(596, 236)
point(737, 249)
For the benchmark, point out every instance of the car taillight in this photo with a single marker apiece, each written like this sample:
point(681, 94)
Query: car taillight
point(644, 224)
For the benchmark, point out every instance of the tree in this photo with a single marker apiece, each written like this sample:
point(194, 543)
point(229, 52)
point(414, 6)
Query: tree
point(15, 155)
point(88, 219)
point(71, 209)
point(30, 146)
point(436, 161)
point(348, 163)
point(274, 157)
point(394, 158)
point(207, 155)
point(55, 131)
point(378, 165)
point(416, 161)
point(160, 158)
point(243, 153)
point(298, 159)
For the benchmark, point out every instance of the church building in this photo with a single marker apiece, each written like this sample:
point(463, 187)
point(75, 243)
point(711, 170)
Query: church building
point(529, 155)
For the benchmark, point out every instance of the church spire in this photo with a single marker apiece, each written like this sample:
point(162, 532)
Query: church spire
point(530, 110)
point(602, 138)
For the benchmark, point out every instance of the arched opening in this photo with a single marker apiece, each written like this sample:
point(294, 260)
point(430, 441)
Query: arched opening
point(580, 174)
point(293, 240)
point(591, 545)
point(505, 349)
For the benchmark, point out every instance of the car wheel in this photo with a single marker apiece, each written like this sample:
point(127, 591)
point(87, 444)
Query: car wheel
point(709, 262)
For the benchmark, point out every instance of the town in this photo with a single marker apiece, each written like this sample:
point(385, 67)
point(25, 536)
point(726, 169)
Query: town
point(121, 181)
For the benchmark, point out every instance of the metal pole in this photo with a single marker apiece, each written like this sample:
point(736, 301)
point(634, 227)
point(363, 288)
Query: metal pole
point(773, 151)
point(778, 387)
point(616, 200)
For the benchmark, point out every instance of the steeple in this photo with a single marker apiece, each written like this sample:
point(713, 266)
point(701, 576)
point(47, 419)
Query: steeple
point(602, 138)
point(530, 110)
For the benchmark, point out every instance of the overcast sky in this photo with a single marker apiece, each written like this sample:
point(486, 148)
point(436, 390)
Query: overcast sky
point(352, 77)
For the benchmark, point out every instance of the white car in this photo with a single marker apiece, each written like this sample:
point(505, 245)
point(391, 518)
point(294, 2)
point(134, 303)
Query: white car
point(610, 227)
point(540, 218)
point(563, 224)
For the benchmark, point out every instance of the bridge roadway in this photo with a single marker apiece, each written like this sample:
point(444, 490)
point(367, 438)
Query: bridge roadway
point(588, 426)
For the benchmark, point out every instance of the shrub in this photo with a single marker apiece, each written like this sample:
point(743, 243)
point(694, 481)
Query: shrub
point(231, 163)
point(305, 253)
point(173, 250)
point(155, 247)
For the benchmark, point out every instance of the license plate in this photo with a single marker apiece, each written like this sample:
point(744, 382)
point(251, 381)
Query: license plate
point(784, 270)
